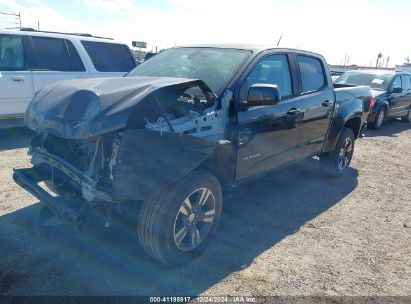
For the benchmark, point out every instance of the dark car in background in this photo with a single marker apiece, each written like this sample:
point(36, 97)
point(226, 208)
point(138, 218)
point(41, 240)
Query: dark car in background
point(391, 91)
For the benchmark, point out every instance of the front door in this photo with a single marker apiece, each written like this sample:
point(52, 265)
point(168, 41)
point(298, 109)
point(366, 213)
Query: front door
point(268, 135)
point(16, 83)
point(396, 100)
point(405, 102)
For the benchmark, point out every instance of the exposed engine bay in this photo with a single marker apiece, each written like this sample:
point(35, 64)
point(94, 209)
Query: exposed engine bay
point(169, 132)
point(191, 114)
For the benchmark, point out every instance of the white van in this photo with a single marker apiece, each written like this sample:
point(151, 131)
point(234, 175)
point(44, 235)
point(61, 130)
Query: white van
point(31, 59)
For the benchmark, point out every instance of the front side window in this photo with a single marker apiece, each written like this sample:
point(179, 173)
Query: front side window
point(109, 57)
point(273, 69)
point(396, 83)
point(11, 53)
point(312, 73)
point(406, 82)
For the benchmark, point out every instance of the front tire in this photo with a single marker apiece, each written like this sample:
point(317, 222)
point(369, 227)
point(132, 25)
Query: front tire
point(379, 119)
point(175, 226)
point(337, 161)
point(407, 118)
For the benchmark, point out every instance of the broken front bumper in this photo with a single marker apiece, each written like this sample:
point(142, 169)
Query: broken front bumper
point(87, 185)
point(60, 205)
point(72, 203)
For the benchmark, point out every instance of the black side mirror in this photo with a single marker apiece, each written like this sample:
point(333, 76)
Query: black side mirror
point(397, 90)
point(263, 95)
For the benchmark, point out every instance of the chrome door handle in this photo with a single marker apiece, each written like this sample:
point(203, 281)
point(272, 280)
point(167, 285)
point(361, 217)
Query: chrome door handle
point(18, 78)
point(293, 111)
point(327, 103)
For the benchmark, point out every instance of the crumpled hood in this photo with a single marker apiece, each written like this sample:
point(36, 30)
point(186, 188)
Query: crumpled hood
point(88, 107)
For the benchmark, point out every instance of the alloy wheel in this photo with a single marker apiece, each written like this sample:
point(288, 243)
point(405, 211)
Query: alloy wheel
point(346, 152)
point(194, 219)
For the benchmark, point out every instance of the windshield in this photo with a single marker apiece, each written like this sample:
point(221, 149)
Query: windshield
point(374, 81)
point(216, 67)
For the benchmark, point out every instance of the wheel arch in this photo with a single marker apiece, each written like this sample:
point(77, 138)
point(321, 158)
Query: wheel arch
point(221, 164)
point(353, 123)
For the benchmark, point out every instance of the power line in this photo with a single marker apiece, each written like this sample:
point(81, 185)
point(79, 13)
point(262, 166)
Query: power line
point(15, 15)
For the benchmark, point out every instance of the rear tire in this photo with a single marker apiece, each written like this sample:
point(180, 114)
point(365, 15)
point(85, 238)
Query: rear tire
point(379, 119)
point(175, 225)
point(336, 162)
point(407, 118)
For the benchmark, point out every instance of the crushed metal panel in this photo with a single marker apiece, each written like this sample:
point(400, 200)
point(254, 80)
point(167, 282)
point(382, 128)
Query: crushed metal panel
point(148, 161)
point(77, 109)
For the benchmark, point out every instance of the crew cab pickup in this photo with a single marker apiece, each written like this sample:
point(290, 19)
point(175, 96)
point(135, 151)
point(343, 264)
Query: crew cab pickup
point(181, 128)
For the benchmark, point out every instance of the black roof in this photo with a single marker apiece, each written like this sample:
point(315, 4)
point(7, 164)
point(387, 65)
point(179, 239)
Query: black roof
point(255, 48)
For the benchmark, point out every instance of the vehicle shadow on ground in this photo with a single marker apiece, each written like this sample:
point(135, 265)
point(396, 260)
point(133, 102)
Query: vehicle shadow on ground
point(40, 259)
point(390, 128)
point(14, 138)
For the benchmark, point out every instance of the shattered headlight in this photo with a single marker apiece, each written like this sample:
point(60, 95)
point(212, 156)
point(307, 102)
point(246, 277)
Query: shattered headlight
point(92, 109)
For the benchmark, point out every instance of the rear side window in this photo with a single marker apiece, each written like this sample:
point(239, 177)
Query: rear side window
point(54, 54)
point(109, 57)
point(406, 82)
point(312, 73)
point(11, 53)
point(75, 60)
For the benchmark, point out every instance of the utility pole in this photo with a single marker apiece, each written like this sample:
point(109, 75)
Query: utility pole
point(378, 59)
point(279, 40)
point(388, 60)
point(345, 60)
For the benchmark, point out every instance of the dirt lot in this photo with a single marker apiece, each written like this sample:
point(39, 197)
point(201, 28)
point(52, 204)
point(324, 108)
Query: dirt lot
point(295, 232)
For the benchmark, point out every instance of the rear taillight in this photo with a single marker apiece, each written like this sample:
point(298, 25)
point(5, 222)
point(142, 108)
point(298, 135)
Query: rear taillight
point(371, 104)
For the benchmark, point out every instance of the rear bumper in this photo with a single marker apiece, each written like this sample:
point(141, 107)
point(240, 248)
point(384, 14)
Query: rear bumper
point(62, 206)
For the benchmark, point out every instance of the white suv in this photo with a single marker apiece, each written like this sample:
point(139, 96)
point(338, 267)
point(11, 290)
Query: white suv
point(31, 59)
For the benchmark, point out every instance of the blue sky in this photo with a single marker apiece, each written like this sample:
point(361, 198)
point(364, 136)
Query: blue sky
point(359, 29)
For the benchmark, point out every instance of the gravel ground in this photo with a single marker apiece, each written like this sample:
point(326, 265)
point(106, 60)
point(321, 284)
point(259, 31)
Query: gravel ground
point(294, 232)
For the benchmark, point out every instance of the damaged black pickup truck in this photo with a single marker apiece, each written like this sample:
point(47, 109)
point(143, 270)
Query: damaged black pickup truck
point(181, 128)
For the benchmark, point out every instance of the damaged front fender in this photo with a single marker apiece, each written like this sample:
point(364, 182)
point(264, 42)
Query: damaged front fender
point(148, 161)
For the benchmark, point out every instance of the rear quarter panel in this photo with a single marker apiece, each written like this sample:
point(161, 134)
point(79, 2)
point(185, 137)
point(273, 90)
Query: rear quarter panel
point(350, 103)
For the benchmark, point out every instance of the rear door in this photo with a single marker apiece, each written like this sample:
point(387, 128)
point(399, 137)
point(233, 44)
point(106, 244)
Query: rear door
point(54, 59)
point(109, 59)
point(316, 104)
point(268, 135)
point(16, 83)
point(405, 102)
point(396, 101)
